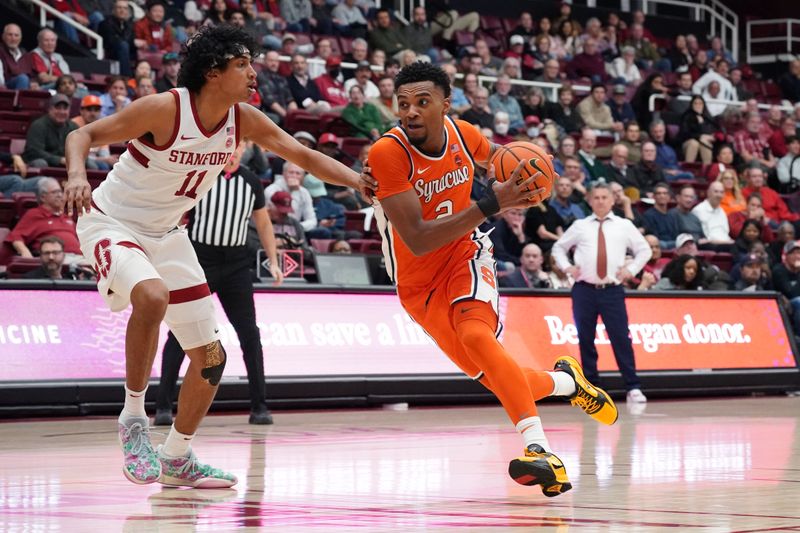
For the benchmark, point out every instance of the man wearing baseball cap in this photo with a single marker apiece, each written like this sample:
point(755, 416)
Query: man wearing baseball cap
point(280, 209)
point(330, 84)
point(363, 79)
point(786, 280)
point(171, 65)
point(44, 145)
point(752, 276)
point(100, 157)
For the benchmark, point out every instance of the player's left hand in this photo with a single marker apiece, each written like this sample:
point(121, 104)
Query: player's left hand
point(367, 185)
point(276, 273)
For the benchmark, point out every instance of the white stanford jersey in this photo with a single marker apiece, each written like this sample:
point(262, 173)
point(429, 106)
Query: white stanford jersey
point(151, 187)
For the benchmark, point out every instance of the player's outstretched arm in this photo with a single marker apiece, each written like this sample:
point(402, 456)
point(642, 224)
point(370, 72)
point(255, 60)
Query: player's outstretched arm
point(261, 130)
point(145, 115)
point(423, 236)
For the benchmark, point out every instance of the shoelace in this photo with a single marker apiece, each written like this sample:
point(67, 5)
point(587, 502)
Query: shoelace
point(188, 465)
point(136, 433)
point(587, 402)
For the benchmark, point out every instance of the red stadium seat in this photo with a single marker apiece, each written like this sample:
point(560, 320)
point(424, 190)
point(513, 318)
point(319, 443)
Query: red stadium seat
point(14, 129)
point(321, 245)
point(465, 38)
point(354, 221)
point(8, 100)
point(8, 211)
point(23, 201)
point(345, 44)
point(335, 124)
point(352, 145)
point(19, 266)
point(33, 101)
point(302, 121)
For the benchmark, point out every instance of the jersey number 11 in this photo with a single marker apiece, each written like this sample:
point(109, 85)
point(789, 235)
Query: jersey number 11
point(191, 193)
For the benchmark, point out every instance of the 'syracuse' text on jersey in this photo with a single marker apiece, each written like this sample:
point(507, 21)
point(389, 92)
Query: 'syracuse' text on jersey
point(442, 183)
point(151, 186)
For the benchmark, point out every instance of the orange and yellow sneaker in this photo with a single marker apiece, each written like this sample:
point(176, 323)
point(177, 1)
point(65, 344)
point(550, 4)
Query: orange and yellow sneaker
point(594, 401)
point(538, 467)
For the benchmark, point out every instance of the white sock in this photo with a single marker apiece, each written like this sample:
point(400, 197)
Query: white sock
point(177, 444)
point(563, 384)
point(134, 405)
point(533, 432)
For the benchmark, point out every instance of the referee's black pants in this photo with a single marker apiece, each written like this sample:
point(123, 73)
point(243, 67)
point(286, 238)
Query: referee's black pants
point(227, 270)
point(589, 302)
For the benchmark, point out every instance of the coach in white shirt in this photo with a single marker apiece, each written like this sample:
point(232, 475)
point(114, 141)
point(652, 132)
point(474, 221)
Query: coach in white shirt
point(713, 218)
point(601, 241)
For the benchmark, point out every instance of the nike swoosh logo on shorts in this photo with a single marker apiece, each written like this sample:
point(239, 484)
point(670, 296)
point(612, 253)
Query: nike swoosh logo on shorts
point(420, 171)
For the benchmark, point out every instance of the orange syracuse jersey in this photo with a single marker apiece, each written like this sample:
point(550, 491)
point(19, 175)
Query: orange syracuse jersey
point(442, 182)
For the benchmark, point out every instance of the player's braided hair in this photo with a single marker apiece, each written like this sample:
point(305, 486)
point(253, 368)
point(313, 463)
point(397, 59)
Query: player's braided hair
point(421, 71)
point(212, 47)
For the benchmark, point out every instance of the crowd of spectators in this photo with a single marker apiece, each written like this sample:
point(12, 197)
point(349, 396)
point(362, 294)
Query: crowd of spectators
point(707, 176)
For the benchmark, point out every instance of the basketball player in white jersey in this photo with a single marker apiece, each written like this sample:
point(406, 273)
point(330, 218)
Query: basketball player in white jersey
point(181, 140)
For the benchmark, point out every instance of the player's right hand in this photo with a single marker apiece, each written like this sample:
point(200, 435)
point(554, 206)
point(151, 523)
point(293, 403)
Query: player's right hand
point(78, 196)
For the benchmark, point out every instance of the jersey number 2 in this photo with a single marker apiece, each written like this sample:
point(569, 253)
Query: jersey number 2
point(444, 209)
point(191, 193)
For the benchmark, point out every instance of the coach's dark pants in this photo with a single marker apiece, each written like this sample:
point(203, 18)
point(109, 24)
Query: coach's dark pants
point(587, 303)
point(227, 270)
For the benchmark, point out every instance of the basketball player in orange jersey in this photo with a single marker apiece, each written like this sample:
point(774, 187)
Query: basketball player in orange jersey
point(181, 141)
point(443, 265)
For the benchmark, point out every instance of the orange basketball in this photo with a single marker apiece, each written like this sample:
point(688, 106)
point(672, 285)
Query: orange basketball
point(507, 157)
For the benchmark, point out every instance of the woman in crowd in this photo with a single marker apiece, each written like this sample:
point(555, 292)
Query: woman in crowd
point(697, 131)
point(754, 211)
point(470, 85)
point(733, 200)
point(749, 234)
point(567, 42)
point(679, 55)
point(566, 148)
point(653, 84)
point(684, 273)
point(723, 161)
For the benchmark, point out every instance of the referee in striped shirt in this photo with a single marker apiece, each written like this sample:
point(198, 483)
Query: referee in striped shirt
point(218, 231)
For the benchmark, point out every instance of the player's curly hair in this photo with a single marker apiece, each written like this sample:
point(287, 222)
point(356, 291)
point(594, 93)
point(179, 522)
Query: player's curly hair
point(421, 71)
point(212, 47)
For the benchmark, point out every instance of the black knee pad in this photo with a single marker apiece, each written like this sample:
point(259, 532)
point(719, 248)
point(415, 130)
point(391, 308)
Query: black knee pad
point(215, 363)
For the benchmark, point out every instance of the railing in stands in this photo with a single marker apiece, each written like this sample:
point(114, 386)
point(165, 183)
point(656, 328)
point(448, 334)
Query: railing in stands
point(790, 36)
point(736, 103)
point(722, 21)
point(45, 10)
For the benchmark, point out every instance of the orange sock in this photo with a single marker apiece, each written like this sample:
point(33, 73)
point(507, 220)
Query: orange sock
point(475, 324)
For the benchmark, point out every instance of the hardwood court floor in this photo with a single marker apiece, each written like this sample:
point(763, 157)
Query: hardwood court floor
point(711, 465)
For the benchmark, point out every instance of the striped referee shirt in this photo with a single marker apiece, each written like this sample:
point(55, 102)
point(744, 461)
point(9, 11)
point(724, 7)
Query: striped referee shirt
point(221, 217)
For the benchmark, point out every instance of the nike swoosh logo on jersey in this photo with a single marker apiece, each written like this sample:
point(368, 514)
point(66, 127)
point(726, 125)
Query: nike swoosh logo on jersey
point(420, 171)
point(185, 138)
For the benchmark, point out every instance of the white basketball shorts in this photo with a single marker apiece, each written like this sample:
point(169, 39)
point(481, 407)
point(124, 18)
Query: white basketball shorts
point(123, 257)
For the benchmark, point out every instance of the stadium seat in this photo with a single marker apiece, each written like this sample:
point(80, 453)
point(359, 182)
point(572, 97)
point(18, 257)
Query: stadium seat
point(366, 246)
point(8, 210)
point(302, 121)
point(35, 101)
point(333, 123)
point(23, 201)
point(8, 100)
point(13, 128)
point(354, 221)
point(352, 145)
point(19, 266)
point(321, 245)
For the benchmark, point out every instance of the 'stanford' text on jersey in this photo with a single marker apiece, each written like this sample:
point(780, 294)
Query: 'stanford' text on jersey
point(151, 186)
